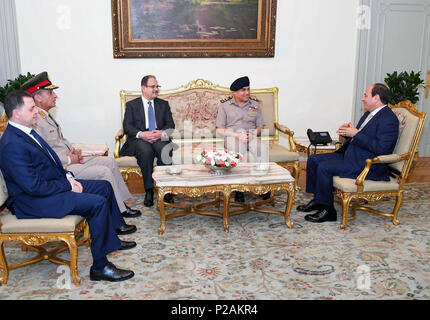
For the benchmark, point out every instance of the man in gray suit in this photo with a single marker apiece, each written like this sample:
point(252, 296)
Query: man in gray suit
point(93, 168)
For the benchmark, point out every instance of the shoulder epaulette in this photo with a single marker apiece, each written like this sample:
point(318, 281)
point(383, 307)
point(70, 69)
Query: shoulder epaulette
point(43, 114)
point(226, 99)
point(254, 98)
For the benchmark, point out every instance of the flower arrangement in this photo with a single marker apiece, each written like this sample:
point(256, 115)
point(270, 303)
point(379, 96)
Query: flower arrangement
point(221, 159)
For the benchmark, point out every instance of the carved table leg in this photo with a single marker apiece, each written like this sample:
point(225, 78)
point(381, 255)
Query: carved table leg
point(227, 194)
point(160, 196)
point(291, 195)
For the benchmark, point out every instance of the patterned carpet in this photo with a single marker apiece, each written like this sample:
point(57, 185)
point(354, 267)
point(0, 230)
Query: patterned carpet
point(260, 258)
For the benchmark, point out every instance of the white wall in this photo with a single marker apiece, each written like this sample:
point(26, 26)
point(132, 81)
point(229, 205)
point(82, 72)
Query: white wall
point(314, 64)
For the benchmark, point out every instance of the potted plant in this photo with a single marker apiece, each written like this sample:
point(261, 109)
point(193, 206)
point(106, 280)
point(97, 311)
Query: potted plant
point(403, 86)
point(13, 85)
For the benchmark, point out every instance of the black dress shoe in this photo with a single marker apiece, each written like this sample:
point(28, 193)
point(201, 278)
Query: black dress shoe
point(239, 196)
point(125, 245)
point(110, 273)
point(126, 229)
point(149, 198)
point(310, 206)
point(265, 196)
point(131, 213)
point(327, 213)
point(169, 198)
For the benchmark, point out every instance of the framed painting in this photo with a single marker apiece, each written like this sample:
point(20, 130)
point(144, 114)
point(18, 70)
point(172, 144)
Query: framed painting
point(193, 28)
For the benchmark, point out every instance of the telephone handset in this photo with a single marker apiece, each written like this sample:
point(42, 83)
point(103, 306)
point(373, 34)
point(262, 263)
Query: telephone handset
point(318, 138)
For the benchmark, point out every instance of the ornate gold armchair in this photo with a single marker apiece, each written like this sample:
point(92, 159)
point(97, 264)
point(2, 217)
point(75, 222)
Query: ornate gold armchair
point(355, 194)
point(194, 108)
point(33, 233)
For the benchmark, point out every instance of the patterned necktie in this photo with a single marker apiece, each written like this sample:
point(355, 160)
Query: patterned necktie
point(369, 117)
point(151, 117)
point(42, 143)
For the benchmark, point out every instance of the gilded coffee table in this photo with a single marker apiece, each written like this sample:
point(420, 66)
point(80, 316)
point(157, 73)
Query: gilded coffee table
point(195, 180)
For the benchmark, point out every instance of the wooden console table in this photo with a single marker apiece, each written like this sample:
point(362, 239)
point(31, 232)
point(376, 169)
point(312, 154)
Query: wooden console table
point(196, 180)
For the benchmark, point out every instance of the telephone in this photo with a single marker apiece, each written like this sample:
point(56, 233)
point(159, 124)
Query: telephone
point(317, 138)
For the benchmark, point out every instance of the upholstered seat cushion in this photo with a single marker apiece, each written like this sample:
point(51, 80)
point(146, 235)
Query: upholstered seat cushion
point(126, 161)
point(11, 224)
point(348, 185)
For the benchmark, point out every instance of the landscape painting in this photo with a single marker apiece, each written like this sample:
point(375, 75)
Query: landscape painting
point(193, 28)
point(194, 19)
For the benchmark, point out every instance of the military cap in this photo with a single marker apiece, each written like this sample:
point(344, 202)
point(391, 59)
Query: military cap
point(239, 83)
point(41, 81)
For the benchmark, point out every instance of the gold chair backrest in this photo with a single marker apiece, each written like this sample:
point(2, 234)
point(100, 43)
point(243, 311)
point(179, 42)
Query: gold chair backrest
point(411, 123)
point(3, 190)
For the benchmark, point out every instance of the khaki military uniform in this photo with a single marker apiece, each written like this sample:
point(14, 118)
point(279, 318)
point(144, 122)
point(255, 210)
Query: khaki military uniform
point(244, 118)
point(92, 168)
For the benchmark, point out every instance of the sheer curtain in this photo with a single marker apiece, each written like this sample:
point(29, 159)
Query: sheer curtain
point(10, 66)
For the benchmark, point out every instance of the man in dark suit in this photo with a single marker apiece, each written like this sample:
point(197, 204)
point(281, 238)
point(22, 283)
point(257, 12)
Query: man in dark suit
point(376, 134)
point(148, 123)
point(39, 187)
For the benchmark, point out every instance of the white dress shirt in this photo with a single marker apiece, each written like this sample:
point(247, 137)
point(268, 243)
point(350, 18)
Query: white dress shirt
point(145, 107)
point(370, 116)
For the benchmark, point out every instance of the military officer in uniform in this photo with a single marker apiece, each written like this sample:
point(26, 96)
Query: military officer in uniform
point(240, 121)
point(96, 168)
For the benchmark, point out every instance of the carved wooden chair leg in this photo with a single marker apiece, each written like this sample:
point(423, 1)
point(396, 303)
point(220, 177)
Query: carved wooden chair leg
point(4, 269)
point(345, 208)
point(398, 204)
point(73, 249)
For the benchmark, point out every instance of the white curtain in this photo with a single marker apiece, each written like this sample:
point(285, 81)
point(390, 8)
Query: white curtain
point(10, 66)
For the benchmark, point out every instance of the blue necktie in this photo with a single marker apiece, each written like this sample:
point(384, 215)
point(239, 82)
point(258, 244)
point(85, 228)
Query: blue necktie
point(151, 117)
point(42, 143)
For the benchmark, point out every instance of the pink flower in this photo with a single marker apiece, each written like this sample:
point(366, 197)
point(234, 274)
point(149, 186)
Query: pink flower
point(204, 153)
point(208, 161)
point(233, 164)
point(221, 163)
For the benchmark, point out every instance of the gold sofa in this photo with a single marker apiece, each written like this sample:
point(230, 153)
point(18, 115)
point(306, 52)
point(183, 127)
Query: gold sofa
point(194, 108)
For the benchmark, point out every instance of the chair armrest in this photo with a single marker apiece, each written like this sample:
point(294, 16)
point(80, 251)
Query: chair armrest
point(118, 138)
point(388, 158)
point(285, 130)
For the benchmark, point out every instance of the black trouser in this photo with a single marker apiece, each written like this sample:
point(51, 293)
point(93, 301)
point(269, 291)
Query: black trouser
point(145, 154)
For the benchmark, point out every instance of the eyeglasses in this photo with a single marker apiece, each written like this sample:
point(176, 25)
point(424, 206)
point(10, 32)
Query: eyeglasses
point(153, 87)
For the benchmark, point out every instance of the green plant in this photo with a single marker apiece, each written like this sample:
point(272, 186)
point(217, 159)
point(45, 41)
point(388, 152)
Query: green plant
point(403, 86)
point(13, 85)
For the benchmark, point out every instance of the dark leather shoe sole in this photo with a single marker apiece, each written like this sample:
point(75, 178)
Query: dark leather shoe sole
point(99, 277)
point(321, 216)
point(126, 245)
point(169, 198)
point(129, 229)
point(310, 206)
point(148, 203)
point(127, 214)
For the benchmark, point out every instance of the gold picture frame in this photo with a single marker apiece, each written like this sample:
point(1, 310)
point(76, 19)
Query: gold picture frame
point(128, 43)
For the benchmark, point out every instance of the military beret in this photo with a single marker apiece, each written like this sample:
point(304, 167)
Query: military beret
point(239, 83)
point(41, 81)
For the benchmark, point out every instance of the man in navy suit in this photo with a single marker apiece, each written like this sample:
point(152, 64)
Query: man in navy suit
point(148, 123)
point(376, 134)
point(39, 187)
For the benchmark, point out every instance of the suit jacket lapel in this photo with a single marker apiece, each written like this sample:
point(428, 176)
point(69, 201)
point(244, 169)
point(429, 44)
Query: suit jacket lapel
point(141, 111)
point(363, 117)
point(158, 113)
point(45, 151)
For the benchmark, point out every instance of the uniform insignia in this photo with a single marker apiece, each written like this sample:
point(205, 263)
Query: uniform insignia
point(253, 98)
point(50, 131)
point(226, 99)
point(43, 114)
